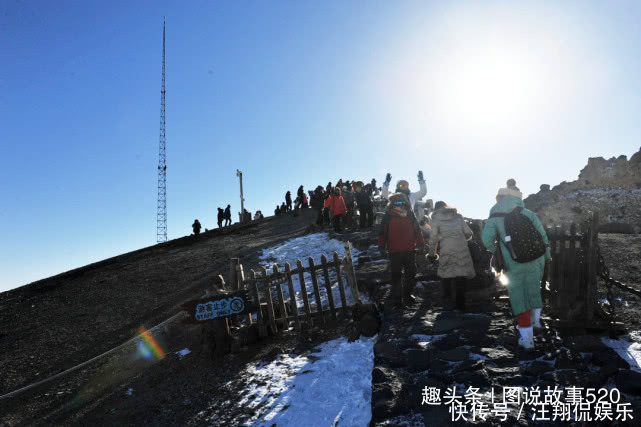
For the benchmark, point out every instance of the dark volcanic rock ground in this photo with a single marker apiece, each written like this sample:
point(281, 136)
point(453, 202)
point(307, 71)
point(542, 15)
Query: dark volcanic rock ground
point(56, 323)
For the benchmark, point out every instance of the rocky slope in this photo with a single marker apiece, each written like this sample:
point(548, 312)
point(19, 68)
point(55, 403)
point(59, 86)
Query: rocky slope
point(612, 187)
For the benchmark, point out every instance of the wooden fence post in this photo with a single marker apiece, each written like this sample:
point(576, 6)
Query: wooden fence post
point(572, 286)
point(328, 287)
point(270, 302)
point(341, 286)
point(303, 291)
point(262, 330)
point(281, 297)
point(319, 302)
point(563, 295)
point(351, 275)
point(592, 242)
point(233, 273)
point(292, 295)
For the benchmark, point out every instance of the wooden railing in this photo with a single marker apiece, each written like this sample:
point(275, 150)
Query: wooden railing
point(276, 312)
point(572, 293)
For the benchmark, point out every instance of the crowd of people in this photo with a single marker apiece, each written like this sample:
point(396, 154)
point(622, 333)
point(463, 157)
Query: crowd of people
point(345, 205)
point(513, 235)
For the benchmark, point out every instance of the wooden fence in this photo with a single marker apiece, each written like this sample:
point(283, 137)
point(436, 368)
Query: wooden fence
point(572, 293)
point(276, 312)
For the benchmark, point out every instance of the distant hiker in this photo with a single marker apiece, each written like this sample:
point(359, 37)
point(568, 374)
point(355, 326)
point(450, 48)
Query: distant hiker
point(227, 215)
point(449, 236)
point(283, 208)
point(305, 201)
point(348, 196)
point(277, 210)
point(365, 205)
point(317, 204)
point(288, 201)
point(247, 216)
point(399, 237)
point(374, 187)
point(300, 198)
point(258, 215)
point(403, 186)
point(524, 257)
point(196, 227)
point(221, 217)
point(337, 209)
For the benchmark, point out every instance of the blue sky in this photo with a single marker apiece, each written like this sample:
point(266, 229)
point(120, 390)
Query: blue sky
point(291, 93)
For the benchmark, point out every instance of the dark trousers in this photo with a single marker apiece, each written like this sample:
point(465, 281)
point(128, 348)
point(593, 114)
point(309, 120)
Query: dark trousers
point(220, 223)
point(227, 221)
point(319, 216)
point(457, 286)
point(349, 218)
point(336, 220)
point(367, 216)
point(403, 262)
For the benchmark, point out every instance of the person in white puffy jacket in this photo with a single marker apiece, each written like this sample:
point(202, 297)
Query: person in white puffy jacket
point(403, 186)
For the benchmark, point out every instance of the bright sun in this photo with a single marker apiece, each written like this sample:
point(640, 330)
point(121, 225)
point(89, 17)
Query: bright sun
point(489, 90)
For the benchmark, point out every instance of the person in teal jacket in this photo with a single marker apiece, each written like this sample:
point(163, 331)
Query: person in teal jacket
point(523, 279)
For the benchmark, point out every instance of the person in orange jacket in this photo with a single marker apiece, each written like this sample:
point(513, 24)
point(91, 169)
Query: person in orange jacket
point(337, 208)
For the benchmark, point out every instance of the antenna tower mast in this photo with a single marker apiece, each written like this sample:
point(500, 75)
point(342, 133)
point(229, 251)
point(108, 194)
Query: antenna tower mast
point(161, 233)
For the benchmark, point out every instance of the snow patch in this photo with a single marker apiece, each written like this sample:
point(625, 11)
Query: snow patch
point(425, 340)
point(329, 387)
point(311, 245)
point(630, 351)
point(184, 352)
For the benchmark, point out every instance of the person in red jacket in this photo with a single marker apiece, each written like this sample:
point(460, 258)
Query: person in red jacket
point(400, 236)
point(337, 208)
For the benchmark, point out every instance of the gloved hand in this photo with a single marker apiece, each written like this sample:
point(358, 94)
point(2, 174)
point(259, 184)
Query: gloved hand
point(432, 258)
point(383, 252)
point(420, 177)
point(388, 178)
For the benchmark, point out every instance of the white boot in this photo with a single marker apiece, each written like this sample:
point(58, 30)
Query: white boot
point(526, 340)
point(535, 318)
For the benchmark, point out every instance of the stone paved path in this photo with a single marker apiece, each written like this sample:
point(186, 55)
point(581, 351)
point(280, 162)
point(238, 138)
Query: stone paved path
point(427, 345)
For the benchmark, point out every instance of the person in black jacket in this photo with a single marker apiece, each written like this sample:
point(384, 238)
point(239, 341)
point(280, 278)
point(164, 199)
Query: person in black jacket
point(300, 197)
point(228, 215)
point(317, 200)
point(288, 201)
point(365, 205)
point(196, 227)
point(221, 217)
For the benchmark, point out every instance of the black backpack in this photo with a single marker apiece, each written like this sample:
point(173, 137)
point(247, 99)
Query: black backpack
point(527, 243)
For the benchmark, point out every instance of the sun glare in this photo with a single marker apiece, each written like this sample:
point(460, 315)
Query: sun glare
point(491, 90)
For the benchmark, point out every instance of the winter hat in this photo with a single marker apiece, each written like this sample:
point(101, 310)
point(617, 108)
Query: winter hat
point(398, 197)
point(403, 186)
point(510, 190)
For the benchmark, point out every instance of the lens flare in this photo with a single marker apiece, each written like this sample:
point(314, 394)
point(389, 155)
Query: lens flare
point(503, 279)
point(148, 346)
